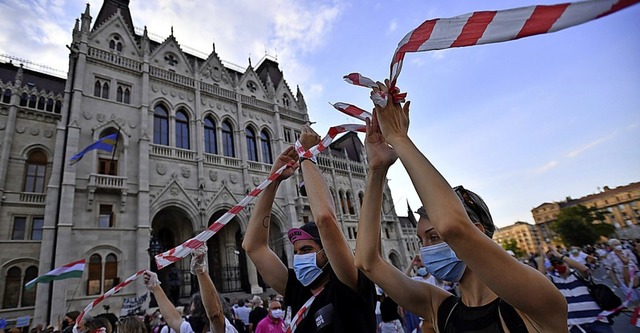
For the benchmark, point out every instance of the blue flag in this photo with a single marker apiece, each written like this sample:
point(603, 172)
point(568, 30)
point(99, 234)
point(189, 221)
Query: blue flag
point(105, 143)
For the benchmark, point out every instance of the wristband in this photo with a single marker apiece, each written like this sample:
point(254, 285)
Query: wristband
point(312, 159)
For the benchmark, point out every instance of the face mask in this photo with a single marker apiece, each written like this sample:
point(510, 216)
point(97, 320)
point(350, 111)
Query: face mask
point(574, 252)
point(422, 271)
point(442, 262)
point(305, 267)
point(560, 269)
point(618, 247)
point(277, 313)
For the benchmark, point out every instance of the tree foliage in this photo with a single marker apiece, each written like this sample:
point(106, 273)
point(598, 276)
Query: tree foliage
point(512, 244)
point(579, 225)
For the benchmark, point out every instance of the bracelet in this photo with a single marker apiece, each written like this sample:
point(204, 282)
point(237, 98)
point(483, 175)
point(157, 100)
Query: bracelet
point(312, 159)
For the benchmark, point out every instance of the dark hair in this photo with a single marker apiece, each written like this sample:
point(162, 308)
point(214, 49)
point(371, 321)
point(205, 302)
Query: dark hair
point(476, 209)
point(96, 323)
point(73, 315)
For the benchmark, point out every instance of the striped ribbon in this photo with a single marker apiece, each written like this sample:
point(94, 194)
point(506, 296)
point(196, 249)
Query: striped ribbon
point(627, 298)
point(107, 294)
point(498, 26)
point(326, 141)
point(302, 313)
point(352, 110)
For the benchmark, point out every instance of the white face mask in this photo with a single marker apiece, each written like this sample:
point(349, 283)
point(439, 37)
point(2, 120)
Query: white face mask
point(277, 313)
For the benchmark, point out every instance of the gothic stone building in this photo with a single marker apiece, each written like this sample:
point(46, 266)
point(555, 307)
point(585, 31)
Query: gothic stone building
point(194, 137)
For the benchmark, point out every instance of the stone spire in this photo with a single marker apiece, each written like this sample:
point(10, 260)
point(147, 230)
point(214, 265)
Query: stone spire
point(110, 8)
point(301, 103)
point(86, 20)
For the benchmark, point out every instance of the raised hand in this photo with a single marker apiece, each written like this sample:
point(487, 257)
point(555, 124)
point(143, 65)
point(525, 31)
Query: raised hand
point(288, 156)
point(393, 119)
point(309, 137)
point(379, 153)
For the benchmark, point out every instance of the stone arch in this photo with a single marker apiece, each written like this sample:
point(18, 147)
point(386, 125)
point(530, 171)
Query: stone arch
point(31, 147)
point(394, 259)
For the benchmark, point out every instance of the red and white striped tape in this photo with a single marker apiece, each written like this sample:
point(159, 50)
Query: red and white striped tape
point(326, 141)
point(107, 294)
point(359, 80)
point(498, 26)
point(302, 313)
point(627, 298)
point(179, 252)
point(352, 110)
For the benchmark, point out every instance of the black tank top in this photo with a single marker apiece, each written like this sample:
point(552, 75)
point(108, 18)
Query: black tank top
point(455, 317)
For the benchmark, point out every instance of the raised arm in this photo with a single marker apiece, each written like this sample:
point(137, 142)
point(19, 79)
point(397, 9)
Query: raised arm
point(167, 309)
point(503, 274)
point(334, 243)
point(256, 239)
point(208, 292)
point(408, 293)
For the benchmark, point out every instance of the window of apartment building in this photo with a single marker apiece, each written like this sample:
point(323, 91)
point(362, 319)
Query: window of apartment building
point(35, 172)
point(161, 125)
point(210, 144)
point(101, 88)
point(182, 130)
point(106, 218)
point(227, 140)
point(15, 294)
point(107, 166)
point(123, 93)
point(265, 144)
point(287, 135)
point(102, 276)
point(252, 150)
point(621, 207)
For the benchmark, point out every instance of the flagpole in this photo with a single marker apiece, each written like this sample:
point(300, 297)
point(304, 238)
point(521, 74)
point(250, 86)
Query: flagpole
point(115, 147)
point(74, 57)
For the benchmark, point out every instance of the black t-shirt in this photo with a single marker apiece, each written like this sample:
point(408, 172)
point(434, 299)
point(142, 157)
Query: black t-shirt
point(256, 315)
point(389, 310)
point(337, 308)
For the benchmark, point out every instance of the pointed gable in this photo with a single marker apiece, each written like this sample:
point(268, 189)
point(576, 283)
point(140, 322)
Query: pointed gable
point(251, 85)
point(113, 31)
point(212, 71)
point(112, 7)
point(169, 56)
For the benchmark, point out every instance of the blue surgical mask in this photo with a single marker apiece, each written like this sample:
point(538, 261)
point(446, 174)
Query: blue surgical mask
point(306, 268)
point(422, 271)
point(442, 262)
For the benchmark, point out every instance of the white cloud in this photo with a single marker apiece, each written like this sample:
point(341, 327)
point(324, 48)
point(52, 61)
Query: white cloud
point(546, 167)
point(588, 146)
point(393, 25)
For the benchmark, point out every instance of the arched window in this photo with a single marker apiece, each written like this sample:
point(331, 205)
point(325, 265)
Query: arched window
point(227, 140)
point(12, 288)
point(29, 296)
point(265, 144)
point(342, 202)
point(182, 130)
point(6, 97)
point(285, 100)
point(210, 143)
point(105, 90)
point(58, 107)
point(160, 126)
point(32, 101)
point(35, 172)
point(127, 96)
point(50, 104)
point(41, 102)
point(97, 89)
point(94, 277)
point(110, 272)
point(361, 198)
point(252, 151)
point(24, 99)
point(350, 207)
point(123, 94)
point(115, 43)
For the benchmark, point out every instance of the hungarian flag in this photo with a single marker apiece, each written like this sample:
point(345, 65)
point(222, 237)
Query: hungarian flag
point(72, 270)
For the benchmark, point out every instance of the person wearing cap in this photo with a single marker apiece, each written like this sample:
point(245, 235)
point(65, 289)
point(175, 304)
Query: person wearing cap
point(497, 293)
point(583, 309)
point(323, 261)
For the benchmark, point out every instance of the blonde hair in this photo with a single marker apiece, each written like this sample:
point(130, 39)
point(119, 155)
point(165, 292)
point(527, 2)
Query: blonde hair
point(131, 325)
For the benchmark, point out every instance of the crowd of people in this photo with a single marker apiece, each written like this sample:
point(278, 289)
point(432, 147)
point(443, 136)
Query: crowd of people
point(460, 281)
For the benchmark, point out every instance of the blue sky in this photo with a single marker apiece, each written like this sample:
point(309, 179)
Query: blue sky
point(521, 122)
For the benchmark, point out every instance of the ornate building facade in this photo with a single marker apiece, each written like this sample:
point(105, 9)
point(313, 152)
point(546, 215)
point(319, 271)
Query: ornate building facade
point(194, 137)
